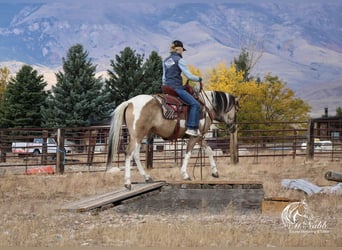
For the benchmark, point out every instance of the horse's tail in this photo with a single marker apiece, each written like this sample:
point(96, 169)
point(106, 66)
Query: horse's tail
point(114, 132)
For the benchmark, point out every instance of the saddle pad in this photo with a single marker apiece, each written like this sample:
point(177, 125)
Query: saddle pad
point(172, 107)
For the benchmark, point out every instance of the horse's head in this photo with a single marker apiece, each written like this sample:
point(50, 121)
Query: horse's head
point(225, 107)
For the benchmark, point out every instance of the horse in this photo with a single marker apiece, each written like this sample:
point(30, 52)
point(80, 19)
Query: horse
point(143, 115)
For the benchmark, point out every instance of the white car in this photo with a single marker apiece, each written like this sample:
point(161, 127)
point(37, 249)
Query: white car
point(320, 146)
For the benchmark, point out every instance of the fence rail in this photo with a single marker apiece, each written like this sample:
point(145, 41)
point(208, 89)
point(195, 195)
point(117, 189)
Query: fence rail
point(75, 147)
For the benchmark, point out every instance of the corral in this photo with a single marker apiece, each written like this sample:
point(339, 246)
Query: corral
point(87, 146)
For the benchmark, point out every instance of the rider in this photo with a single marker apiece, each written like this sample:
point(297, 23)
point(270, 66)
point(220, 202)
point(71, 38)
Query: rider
point(173, 67)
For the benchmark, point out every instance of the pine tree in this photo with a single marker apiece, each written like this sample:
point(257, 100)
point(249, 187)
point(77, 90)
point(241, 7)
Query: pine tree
point(243, 64)
point(152, 75)
point(125, 77)
point(24, 98)
point(77, 98)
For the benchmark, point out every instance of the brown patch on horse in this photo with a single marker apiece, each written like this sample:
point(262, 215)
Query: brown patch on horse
point(152, 120)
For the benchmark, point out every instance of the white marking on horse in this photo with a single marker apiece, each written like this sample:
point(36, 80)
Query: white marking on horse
point(139, 102)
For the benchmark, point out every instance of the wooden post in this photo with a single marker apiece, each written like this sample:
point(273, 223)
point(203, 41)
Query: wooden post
point(60, 155)
point(91, 146)
point(310, 142)
point(234, 156)
point(333, 176)
point(149, 151)
point(3, 146)
point(294, 149)
point(44, 147)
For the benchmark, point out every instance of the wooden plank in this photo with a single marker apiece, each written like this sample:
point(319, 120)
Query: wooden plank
point(275, 205)
point(111, 197)
point(214, 182)
point(217, 184)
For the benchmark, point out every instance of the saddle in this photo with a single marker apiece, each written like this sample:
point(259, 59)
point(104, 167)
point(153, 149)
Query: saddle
point(175, 108)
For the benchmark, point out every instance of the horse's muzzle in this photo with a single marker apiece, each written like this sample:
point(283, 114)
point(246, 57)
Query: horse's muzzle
point(232, 128)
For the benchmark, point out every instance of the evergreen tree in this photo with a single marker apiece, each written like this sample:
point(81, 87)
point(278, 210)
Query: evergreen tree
point(77, 98)
point(125, 77)
point(243, 64)
point(24, 98)
point(339, 112)
point(152, 75)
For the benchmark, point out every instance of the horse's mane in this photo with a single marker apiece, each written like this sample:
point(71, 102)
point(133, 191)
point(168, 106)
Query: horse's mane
point(222, 102)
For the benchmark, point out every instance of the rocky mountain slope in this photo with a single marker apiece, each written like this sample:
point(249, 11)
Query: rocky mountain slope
point(298, 41)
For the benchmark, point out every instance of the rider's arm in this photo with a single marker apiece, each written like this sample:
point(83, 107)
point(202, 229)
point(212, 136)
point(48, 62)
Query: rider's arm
point(163, 77)
point(185, 70)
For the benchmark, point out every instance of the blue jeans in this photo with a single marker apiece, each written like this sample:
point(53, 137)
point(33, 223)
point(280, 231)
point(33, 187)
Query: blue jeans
point(194, 112)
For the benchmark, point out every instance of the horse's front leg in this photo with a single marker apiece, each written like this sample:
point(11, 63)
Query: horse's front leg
point(191, 143)
point(184, 171)
point(210, 154)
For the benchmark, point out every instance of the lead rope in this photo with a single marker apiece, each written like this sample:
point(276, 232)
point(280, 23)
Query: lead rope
point(199, 155)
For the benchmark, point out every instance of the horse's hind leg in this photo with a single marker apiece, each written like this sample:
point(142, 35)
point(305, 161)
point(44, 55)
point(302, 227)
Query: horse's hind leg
point(134, 153)
point(128, 171)
point(139, 165)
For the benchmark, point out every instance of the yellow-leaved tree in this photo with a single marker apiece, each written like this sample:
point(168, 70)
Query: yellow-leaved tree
point(4, 78)
point(261, 102)
point(227, 79)
point(279, 103)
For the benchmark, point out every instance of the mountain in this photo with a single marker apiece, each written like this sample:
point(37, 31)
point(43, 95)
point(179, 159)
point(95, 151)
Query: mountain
point(299, 41)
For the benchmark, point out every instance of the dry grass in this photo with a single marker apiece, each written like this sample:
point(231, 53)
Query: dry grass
point(29, 218)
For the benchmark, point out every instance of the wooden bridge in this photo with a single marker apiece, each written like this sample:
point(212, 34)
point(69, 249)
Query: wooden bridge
point(110, 198)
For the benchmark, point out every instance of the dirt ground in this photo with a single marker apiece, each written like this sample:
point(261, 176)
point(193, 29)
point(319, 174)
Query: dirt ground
point(29, 205)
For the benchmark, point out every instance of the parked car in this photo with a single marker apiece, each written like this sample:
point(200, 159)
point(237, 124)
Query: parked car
point(35, 147)
point(320, 145)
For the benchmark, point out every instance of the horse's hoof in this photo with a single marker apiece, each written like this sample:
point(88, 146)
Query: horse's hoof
point(148, 179)
point(215, 175)
point(128, 186)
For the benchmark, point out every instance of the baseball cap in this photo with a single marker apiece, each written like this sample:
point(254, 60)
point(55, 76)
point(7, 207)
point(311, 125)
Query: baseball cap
point(178, 43)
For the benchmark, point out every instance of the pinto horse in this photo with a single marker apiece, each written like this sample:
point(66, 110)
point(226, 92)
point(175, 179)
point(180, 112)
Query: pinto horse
point(143, 115)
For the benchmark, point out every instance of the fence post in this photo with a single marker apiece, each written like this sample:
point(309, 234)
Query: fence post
point(149, 152)
point(44, 147)
point(3, 146)
point(60, 154)
point(294, 144)
point(310, 143)
point(91, 146)
point(234, 156)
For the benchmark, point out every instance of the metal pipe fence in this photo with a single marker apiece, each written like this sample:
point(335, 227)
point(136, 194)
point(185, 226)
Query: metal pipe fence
point(86, 147)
